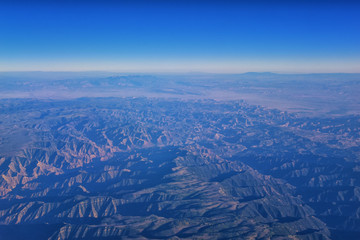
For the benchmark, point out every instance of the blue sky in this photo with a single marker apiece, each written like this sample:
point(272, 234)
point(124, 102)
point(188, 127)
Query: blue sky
point(210, 36)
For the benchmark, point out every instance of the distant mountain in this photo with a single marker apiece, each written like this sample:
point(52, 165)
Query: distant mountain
point(259, 74)
point(307, 94)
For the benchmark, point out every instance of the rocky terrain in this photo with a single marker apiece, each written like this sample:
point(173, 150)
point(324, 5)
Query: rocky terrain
point(175, 168)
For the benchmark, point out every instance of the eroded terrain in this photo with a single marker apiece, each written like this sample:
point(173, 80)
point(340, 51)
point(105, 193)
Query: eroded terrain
point(155, 168)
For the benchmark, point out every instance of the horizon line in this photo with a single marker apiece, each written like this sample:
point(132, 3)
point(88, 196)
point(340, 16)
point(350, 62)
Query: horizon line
point(170, 72)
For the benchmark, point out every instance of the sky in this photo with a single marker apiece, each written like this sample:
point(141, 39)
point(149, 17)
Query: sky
point(180, 36)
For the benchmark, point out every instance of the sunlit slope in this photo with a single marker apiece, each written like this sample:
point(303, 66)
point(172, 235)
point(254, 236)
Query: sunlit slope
point(150, 168)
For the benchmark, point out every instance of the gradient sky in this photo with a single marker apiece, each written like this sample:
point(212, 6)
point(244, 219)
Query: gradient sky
point(174, 36)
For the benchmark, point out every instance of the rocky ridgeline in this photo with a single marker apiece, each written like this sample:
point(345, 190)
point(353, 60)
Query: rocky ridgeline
point(150, 168)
